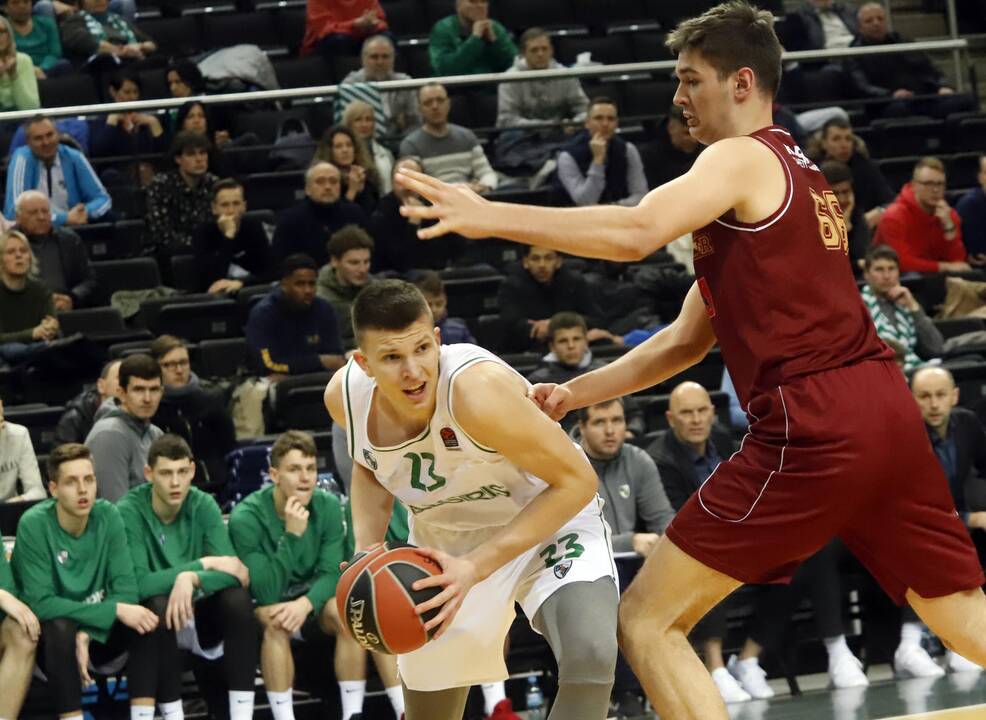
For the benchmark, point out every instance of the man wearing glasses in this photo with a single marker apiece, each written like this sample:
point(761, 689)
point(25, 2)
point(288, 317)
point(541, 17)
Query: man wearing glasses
point(924, 230)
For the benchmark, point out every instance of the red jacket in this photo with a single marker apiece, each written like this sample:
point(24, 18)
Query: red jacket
point(917, 236)
point(327, 17)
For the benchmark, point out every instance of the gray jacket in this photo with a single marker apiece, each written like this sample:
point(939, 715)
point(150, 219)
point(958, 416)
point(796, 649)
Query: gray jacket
point(119, 443)
point(633, 494)
point(396, 103)
point(537, 102)
point(18, 462)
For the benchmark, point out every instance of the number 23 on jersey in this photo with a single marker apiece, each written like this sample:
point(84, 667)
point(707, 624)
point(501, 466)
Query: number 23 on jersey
point(831, 221)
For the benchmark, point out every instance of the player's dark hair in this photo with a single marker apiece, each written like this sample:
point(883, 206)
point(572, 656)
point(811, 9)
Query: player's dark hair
point(292, 440)
point(880, 252)
point(169, 447)
point(139, 365)
point(564, 321)
point(731, 36)
point(836, 172)
point(297, 261)
point(346, 238)
point(585, 411)
point(64, 453)
point(388, 305)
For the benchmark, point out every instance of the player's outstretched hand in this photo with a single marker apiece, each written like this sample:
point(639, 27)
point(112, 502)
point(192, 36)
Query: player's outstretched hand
point(457, 208)
point(554, 400)
point(457, 578)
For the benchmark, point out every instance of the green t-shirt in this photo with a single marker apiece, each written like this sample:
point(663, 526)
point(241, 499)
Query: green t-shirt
point(284, 566)
point(42, 44)
point(160, 552)
point(6, 578)
point(81, 578)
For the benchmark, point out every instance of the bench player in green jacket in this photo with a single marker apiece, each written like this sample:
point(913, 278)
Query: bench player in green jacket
point(292, 537)
point(189, 576)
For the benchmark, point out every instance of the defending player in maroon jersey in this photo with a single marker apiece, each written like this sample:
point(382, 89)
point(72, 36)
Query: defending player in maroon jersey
point(836, 446)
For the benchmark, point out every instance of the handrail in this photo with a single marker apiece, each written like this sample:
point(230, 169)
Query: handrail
point(320, 91)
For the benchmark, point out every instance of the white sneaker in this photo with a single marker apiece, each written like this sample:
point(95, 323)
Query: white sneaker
point(751, 676)
point(913, 661)
point(846, 671)
point(958, 664)
point(728, 687)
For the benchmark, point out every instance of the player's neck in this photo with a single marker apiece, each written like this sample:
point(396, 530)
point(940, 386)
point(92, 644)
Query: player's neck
point(411, 420)
point(74, 525)
point(165, 513)
point(747, 120)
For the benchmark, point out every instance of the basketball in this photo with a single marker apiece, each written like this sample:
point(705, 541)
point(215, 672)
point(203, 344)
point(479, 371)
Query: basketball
point(376, 602)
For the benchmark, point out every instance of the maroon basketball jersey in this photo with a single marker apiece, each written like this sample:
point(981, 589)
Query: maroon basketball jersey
point(780, 293)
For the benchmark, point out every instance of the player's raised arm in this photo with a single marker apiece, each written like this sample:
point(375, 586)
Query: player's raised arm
point(718, 182)
point(677, 347)
point(371, 503)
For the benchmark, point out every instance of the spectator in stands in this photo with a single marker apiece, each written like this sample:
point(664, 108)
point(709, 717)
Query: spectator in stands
point(338, 28)
point(18, 81)
point(837, 142)
point(60, 172)
point(959, 441)
point(569, 354)
point(202, 120)
point(94, 30)
point(37, 36)
point(529, 113)
point(119, 440)
point(193, 408)
point(358, 117)
point(19, 633)
point(63, 8)
point(231, 250)
point(447, 151)
point(972, 211)
point(902, 76)
point(289, 588)
point(188, 574)
point(27, 310)
point(20, 478)
point(360, 182)
point(82, 586)
point(399, 108)
point(677, 150)
point(90, 405)
point(180, 200)
point(629, 482)
point(895, 312)
point(184, 80)
point(540, 288)
point(396, 237)
point(292, 331)
point(129, 133)
point(62, 257)
point(453, 330)
point(307, 227)
point(839, 177)
point(820, 24)
point(921, 226)
point(598, 168)
point(348, 272)
point(470, 42)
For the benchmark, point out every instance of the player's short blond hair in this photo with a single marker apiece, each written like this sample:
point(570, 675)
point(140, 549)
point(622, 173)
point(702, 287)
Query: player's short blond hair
point(731, 36)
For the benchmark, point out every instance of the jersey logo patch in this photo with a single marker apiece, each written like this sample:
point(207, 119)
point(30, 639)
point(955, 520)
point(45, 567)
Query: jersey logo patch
point(702, 247)
point(624, 491)
point(703, 288)
point(562, 568)
point(800, 158)
point(370, 460)
point(449, 440)
point(62, 556)
point(162, 538)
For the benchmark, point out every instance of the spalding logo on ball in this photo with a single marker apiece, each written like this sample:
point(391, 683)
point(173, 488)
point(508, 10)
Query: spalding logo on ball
point(376, 602)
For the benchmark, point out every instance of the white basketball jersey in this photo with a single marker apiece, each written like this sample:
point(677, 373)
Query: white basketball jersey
point(448, 482)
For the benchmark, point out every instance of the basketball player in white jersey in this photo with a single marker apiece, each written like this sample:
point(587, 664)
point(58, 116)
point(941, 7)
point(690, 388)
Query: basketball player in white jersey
point(496, 493)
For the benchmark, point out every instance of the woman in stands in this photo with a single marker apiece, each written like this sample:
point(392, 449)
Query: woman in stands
point(360, 180)
point(358, 117)
point(27, 311)
point(128, 133)
point(197, 118)
point(18, 81)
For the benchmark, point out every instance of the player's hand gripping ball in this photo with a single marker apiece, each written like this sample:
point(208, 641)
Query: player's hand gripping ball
point(376, 602)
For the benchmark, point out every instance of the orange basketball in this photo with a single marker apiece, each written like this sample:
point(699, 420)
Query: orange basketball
point(376, 602)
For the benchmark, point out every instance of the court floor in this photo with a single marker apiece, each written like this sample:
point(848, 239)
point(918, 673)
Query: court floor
point(953, 697)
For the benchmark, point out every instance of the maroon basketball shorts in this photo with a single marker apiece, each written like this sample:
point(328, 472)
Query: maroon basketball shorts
point(842, 453)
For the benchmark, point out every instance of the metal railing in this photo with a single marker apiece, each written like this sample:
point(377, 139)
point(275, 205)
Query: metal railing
point(322, 92)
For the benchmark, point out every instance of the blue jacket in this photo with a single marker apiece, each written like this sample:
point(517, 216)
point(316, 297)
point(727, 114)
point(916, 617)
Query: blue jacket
point(24, 173)
point(288, 341)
